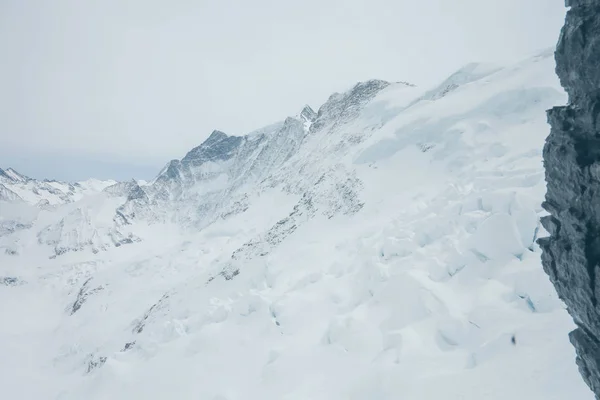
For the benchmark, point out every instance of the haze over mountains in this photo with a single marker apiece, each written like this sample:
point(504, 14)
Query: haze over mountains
point(381, 247)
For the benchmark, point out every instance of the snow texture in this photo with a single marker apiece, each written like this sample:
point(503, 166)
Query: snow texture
point(383, 247)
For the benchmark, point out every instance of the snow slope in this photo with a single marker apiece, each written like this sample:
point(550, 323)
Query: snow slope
point(380, 248)
point(45, 192)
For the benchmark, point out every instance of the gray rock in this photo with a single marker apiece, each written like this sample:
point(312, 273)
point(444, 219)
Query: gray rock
point(94, 362)
point(343, 107)
point(83, 295)
point(218, 146)
point(308, 114)
point(10, 175)
point(11, 281)
point(571, 255)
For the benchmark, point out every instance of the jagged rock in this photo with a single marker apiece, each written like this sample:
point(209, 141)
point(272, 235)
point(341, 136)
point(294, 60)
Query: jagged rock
point(204, 185)
point(344, 107)
point(141, 323)
point(137, 193)
point(12, 176)
point(123, 189)
point(11, 251)
point(308, 115)
point(218, 146)
point(170, 171)
point(571, 254)
point(128, 346)
point(83, 295)
point(94, 362)
point(11, 281)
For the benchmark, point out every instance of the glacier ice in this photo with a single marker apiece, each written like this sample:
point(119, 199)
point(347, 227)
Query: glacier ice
point(382, 247)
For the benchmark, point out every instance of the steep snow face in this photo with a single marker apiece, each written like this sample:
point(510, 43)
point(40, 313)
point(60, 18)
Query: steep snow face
point(8, 195)
point(386, 250)
point(469, 73)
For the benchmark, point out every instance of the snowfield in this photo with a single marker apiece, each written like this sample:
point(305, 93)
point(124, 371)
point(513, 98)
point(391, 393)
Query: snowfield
point(382, 248)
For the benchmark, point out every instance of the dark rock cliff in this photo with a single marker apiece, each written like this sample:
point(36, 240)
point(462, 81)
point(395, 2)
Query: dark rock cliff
point(571, 255)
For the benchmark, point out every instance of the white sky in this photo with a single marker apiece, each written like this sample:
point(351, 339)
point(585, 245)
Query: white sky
point(116, 88)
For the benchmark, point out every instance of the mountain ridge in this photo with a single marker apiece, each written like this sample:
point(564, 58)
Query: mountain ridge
point(385, 250)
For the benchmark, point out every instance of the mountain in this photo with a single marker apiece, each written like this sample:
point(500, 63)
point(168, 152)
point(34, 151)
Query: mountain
point(51, 211)
point(8, 195)
point(50, 192)
point(10, 175)
point(572, 157)
point(382, 247)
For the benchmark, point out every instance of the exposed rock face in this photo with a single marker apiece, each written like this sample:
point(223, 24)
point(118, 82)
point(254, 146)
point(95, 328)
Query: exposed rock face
point(572, 159)
point(308, 114)
point(218, 146)
point(347, 105)
point(12, 176)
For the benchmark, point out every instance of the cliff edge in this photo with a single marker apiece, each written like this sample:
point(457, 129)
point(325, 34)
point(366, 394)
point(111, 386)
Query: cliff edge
point(571, 255)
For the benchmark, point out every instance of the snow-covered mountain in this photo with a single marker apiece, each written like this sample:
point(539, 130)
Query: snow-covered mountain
point(18, 187)
point(382, 247)
point(53, 211)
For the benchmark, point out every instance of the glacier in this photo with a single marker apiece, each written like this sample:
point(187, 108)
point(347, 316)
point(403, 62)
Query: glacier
point(382, 247)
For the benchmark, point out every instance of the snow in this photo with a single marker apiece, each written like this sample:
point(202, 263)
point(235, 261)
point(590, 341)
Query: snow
point(95, 185)
point(14, 175)
point(8, 195)
point(392, 255)
point(34, 191)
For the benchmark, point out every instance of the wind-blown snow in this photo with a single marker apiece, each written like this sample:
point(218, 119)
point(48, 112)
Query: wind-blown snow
point(385, 249)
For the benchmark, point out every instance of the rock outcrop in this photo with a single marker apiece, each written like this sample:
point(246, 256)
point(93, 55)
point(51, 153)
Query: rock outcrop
point(572, 160)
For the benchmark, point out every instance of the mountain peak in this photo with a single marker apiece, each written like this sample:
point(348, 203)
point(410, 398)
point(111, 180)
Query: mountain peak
point(218, 146)
point(12, 175)
point(379, 204)
point(371, 83)
point(216, 135)
point(308, 115)
point(341, 106)
point(170, 171)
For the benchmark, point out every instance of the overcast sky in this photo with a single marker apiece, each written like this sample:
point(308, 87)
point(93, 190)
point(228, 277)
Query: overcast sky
point(116, 88)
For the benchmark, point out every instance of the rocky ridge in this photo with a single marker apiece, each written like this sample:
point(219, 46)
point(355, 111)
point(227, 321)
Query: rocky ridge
point(571, 255)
